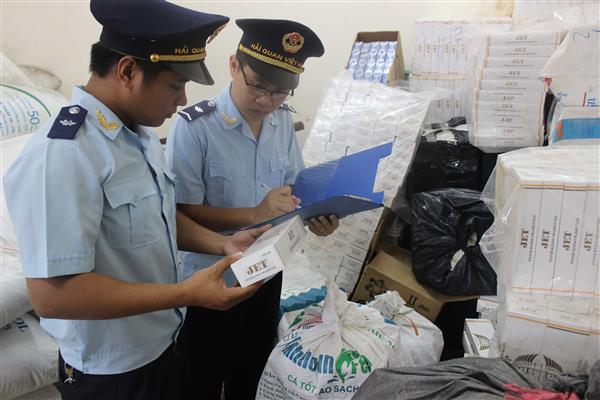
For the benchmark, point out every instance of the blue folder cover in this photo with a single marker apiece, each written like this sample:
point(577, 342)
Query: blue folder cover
point(350, 175)
point(341, 187)
point(340, 206)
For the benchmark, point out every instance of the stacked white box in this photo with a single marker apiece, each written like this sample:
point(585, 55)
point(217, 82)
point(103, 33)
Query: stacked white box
point(355, 116)
point(342, 254)
point(442, 49)
point(508, 98)
point(544, 245)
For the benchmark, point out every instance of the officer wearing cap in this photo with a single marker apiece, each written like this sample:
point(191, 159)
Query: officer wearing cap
point(235, 157)
point(93, 205)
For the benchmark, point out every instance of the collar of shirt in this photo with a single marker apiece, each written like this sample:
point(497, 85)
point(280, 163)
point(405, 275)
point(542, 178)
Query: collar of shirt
point(102, 117)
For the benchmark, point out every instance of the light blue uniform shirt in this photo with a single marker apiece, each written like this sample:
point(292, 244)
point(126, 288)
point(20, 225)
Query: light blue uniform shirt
point(218, 162)
point(102, 202)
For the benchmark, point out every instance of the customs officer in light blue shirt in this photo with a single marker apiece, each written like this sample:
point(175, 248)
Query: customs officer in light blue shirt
point(92, 201)
point(235, 157)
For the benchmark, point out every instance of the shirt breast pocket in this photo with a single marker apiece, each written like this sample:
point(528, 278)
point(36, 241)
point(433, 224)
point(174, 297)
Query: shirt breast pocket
point(277, 168)
point(129, 212)
point(228, 183)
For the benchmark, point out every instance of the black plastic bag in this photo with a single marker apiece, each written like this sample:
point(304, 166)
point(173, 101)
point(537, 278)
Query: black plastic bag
point(444, 159)
point(446, 228)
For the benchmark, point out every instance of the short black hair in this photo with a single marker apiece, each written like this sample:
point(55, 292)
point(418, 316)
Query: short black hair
point(102, 59)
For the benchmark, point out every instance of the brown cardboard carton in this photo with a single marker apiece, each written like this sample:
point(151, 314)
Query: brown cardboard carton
point(387, 272)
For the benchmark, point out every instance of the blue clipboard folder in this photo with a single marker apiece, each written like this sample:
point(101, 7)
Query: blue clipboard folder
point(340, 187)
point(341, 206)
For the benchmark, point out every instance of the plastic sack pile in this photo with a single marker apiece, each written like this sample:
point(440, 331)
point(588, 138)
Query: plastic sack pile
point(328, 351)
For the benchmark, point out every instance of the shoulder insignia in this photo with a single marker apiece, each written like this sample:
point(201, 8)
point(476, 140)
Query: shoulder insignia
point(67, 122)
point(287, 107)
point(197, 110)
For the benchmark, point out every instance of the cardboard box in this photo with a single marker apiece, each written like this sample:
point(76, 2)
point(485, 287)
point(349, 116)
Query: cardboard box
point(397, 68)
point(387, 272)
point(269, 254)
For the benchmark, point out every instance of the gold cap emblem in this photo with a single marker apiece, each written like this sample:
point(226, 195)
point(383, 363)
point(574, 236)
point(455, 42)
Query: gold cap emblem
point(292, 42)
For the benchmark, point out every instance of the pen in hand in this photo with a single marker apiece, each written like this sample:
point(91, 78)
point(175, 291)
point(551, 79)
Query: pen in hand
point(268, 189)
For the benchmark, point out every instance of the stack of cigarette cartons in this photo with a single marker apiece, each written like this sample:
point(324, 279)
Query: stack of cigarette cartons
point(354, 116)
point(508, 97)
point(545, 247)
point(441, 60)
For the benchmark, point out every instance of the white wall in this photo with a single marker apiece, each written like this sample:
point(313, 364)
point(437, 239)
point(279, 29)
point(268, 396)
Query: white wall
point(57, 35)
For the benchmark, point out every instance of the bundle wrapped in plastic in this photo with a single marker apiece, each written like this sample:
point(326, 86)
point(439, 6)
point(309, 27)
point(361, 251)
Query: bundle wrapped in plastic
point(421, 342)
point(545, 237)
point(328, 351)
point(357, 115)
point(544, 245)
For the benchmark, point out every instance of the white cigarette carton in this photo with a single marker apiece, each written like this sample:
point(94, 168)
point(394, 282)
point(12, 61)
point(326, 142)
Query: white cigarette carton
point(521, 51)
point(515, 62)
point(568, 238)
point(523, 220)
point(587, 277)
point(505, 96)
point(525, 38)
point(269, 253)
point(511, 85)
point(513, 74)
point(509, 108)
point(547, 236)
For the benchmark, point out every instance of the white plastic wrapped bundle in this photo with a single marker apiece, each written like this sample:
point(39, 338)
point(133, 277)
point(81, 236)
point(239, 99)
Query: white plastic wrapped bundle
point(529, 12)
point(354, 116)
point(357, 115)
point(546, 234)
point(420, 341)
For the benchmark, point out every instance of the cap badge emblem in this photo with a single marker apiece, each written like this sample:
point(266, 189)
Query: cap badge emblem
point(292, 42)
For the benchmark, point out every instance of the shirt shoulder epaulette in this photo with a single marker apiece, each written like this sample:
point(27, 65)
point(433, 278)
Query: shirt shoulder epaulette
point(197, 110)
point(67, 122)
point(287, 107)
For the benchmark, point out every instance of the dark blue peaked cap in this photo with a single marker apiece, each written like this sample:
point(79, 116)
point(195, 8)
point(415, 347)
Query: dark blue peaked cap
point(159, 31)
point(276, 49)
